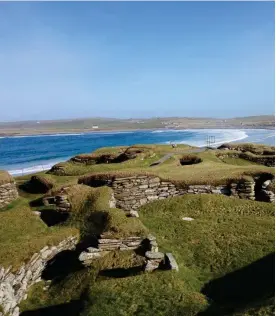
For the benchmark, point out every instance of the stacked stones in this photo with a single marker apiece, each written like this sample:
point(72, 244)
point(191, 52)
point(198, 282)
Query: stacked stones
point(154, 260)
point(152, 244)
point(105, 245)
point(133, 192)
point(128, 243)
point(8, 193)
point(90, 254)
point(62, 203)
point(244, 189)
point(14, 286)
point(208, 189)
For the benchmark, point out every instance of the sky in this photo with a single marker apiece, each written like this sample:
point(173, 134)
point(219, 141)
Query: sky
point(136, 59)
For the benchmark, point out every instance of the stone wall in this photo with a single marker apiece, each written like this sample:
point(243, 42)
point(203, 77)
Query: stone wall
point(243, 189)
point(132, 192)
point(8, 193)
point(105, 245)
point(14, 286)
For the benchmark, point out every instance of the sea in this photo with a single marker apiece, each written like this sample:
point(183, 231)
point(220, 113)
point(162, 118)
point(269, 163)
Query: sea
point(28, 154)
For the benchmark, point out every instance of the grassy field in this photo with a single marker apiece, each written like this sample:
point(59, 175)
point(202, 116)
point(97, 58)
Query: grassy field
point(224, 254)
point(224, 237)
point(212, 170)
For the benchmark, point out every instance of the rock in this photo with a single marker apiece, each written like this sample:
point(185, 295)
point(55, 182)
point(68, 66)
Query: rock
point(133, 214)
point(143, 201)
point(144, 186)
point(187, 219)
point(171, 262)
point(36, 213)
point(266, 184)
point(86, 256)
point(92, 250)
point(151, 266)
point(108, 241)
point(151, 237)
point(154, 255)
point(152, 197)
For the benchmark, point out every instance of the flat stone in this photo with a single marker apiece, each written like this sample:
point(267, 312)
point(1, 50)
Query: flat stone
point(189, 219)
point(171, 262)
point(109, 241)
point(143, 186)
point(154, 255)
point(92, 250)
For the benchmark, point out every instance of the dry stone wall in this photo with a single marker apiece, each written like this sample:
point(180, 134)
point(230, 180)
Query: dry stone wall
point(8, 193)
point(14, 286)
point(132, 192)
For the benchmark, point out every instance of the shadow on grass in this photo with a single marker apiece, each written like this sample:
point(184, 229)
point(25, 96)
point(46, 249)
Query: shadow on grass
point(52, 217)
point(242, 288)
point(120, 272)
point(73, 308)
point(63, 264)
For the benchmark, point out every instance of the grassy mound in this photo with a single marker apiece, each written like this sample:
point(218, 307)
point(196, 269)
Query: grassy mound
point(23, 234)
point(38, 184)
point(257, 149)
point(5, 177)
point(90, 212)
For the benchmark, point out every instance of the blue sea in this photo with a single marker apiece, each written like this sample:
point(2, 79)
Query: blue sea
point(28, 154)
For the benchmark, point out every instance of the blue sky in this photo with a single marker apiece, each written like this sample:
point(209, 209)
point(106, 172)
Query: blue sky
point(136, 59)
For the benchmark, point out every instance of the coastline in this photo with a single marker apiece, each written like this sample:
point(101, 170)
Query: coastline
point(81, 132)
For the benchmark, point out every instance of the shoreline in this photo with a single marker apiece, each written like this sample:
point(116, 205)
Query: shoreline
point(81, 132)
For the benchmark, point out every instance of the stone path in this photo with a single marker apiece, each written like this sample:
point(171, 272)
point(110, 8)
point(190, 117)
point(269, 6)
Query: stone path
point(169, 155)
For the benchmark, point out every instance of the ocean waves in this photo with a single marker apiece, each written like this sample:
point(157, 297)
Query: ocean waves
point(29, 154)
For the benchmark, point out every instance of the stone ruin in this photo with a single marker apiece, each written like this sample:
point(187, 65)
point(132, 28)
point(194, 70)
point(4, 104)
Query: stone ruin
point(154, 258)
point(8, 190)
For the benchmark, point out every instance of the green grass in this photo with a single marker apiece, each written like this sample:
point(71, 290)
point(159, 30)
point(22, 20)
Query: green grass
point(226, 234)
point(238, 162)
point(23, 234)
point(212, 170)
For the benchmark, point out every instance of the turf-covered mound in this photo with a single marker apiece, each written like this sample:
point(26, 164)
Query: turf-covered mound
point(117, 157)
point(90, 211)
point(189, 160)
point(236, 156)
point(5, 177)
point(249, 147)
point(38, 184)
point(58, 169)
